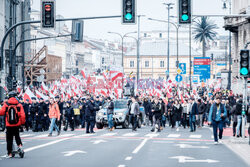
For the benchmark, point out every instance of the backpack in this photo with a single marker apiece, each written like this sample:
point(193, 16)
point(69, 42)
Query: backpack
point(12, 114)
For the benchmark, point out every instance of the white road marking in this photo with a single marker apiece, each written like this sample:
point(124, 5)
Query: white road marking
point(98, 141)
point(128, 158)
point(151, 135)
point(189, 146)
point(44, 135)
point(174, 135)
point(130, 134)
point(66, 135)
point(137, 149)
point(121, 166)
point(184, 159)
point(195, 136)
point(212, 136)
point(70, 153)
point(86, 135)
point(109, 134)
point(27, 135)
point(44, 145)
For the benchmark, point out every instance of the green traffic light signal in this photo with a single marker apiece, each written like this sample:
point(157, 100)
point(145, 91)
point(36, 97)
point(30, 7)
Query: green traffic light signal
point(184, 17)
point(128, 16)
point(244, 71)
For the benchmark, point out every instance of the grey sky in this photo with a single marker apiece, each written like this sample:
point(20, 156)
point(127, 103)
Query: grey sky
point(150, 8)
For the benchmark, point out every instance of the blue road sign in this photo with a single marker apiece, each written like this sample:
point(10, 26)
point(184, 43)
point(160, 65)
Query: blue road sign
point(178, 78)
point(202, 68)
point(195, 79)
point(183, 68)
point(167, 73)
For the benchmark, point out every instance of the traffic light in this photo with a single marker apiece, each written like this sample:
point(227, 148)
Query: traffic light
point(128, 11)
point(48, 13)
point(77, 31)
point(244, 63)
point(185, 12)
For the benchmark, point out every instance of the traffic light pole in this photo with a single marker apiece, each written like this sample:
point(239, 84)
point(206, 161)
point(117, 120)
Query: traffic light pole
point(39, 21)
point(244, 108)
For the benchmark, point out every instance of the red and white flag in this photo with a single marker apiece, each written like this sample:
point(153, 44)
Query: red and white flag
point(40, 95)
point(115, 74)
point(83, 74)
point(28, 95)
point(44, 88)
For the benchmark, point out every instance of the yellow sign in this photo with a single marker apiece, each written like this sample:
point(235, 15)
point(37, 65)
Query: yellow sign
point(179, 71)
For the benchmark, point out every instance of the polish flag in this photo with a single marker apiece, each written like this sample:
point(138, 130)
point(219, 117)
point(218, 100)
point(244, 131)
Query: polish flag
point(40, 95)
point(116, 93)
point(83, 74)
point(44, 88)
point(115, 74)
point(28, 95)
point(103, 93)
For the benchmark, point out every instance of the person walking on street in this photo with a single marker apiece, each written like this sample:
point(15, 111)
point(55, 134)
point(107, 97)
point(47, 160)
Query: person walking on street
point(192, 115)
point(156, 110)
point(217, 116)
point(14, 118)
point(54, 113)
point(134, 111)
point(110, 112)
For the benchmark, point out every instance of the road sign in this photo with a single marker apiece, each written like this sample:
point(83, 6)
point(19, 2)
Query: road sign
point(167, 73)
point(195, 79)
point(202, 67)
point(183, 68)
point(178, 78)
point(179, 71)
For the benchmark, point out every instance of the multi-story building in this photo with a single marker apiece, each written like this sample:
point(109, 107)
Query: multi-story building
point(240, 28)
point(153, 59)
point(13, 11)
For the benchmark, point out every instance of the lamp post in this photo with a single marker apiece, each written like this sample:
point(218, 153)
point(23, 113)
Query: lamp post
point(122, 38)
point(169, 6)
point(229, 43)
point(177, 26)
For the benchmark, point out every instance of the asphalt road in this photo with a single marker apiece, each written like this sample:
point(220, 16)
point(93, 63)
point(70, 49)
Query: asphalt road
point(122, 148)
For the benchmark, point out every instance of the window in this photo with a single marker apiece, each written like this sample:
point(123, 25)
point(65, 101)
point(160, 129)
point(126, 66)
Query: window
point(160, 35)
point(146, 64)
point(161, 64)
point(132, 63)
point(145, 34)
point(77, 63)
point(102, 60)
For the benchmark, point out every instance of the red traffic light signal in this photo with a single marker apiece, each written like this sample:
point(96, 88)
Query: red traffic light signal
point(48, 13)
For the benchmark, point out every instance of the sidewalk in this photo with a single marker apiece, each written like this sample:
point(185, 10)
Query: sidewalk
point(240, 146)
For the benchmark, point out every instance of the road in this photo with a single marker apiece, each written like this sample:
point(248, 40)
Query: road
point(123, 148)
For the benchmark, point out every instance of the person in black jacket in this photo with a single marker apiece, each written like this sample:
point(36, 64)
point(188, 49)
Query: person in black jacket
point(83, 109)
point(192, 115)
point(60, 104)
point(35, 114)
point(177, 112)
point(148, 111)
point(156, 110)
point(44, 114)
point(163, 117)
point(69, 117)
point(110, 112)
point(90, 115)
point(26, 107)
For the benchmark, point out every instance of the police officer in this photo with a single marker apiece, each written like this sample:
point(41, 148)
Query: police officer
point(69, 117)
point(43, 109)
point(90, 115)
point(77, 113)
point(46, 116)
point(26, 107)
point(34, 110)
point(83, 109)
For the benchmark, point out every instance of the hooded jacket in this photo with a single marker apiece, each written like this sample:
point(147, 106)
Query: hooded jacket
point(21, 113)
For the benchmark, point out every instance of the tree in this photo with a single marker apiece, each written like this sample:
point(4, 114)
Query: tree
point(204, 32)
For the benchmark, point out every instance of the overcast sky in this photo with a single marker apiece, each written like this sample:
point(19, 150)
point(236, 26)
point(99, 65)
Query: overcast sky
point(150, 8)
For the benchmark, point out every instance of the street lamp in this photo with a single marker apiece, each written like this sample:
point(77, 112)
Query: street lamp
point(168, 8)
point(177, 37)
point(229, 42)
point(122, 37)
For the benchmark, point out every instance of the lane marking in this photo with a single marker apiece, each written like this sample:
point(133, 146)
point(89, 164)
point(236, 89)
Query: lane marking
point(130, 134)
point(195, 136)
point(44, 135)
point(109, 134)
point(128, 158)
point(70, 153)
point(44, 145)
point(121, 166)
point(86, 135)
point(174, 135)
point(163, 142)
point(137, 149)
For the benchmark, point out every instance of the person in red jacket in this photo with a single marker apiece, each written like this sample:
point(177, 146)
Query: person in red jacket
point(14, 118)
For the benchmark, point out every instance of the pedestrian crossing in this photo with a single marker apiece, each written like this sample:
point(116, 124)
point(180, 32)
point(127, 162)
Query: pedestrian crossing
point(118, 134)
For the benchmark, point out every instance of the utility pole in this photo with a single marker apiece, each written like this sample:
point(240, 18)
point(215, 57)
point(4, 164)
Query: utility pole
point(138, 49)
point(168, 8)
point(190, 57)
point(23, 45)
